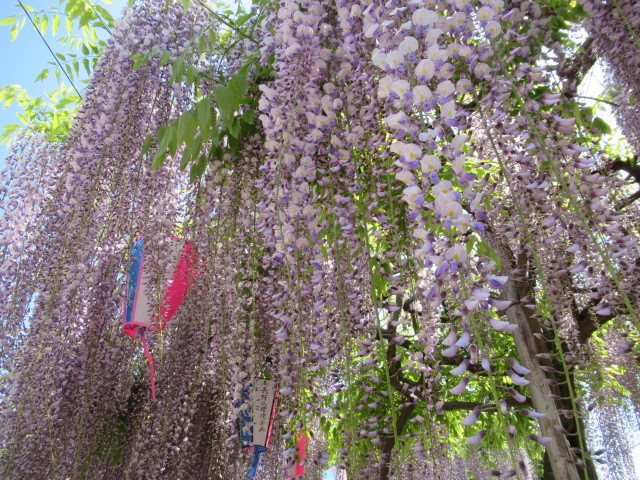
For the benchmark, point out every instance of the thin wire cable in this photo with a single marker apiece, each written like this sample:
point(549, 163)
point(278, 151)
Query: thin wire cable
point(52, 53)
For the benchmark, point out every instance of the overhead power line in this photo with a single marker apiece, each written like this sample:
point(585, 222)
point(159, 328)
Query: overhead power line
point(52, 52)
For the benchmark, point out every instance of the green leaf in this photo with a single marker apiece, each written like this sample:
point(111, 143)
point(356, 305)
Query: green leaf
point(14, 32)
point(85, 18)
point(158, 159)
point(68, 25)
point(8, 102)
point(197, 169)
point(234, 127)
point(238, 84)
point(583, 116)
point(55, 24)
point(378, 284)
point(5, 137)
point(204, 112)
point(103, 12)
point(164, 134)
point(192, 75)
point(174, 138)
point(178, 69)
point(42, 75)
point(64, 102)
point(470, 243)
point(70, 6)
point(601, 125)
point(187, 127)
point(44, 23)
point(11, 127)
point(8, 21)
point(226, 100)
point(558, 23)
point(485, 249)
point(249, 115)
point(215, 134)
point(587, 112)
point(579, 10)
point(146, 145)
point(164, 58)
point(186, 4)
point(138, 60)
point(242, 19)
point(186, 157)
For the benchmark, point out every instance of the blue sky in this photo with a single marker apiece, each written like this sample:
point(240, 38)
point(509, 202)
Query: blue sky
point(23, 59)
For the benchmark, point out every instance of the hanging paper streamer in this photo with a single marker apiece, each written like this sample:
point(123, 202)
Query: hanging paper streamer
point(263, 404)
point(256, 422)
point(141, 312)
point(297, 470)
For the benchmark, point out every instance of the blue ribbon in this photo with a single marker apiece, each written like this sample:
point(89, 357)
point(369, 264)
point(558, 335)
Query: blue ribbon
point(244, 419)
point(256, 458)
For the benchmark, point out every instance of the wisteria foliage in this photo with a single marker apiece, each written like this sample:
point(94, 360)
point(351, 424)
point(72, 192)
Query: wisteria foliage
point(419, 240)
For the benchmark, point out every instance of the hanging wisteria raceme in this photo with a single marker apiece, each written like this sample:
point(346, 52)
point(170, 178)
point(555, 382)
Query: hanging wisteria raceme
point(25, 190)
point(586, 245)
point(416, 238)
point(421, 110)
point(540, 136)
point(551, 156)
point(95, 195)
point(615, 28)
point(286, 201)
point(397, 92)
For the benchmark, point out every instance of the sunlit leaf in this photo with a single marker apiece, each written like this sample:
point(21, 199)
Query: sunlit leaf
point(55, 24)
point(43, 75)
point(44, 23)
point(14, 31)
point(8, 21)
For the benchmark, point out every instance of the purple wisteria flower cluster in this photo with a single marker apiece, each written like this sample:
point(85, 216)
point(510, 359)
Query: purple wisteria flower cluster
point(71, 211)
point(614, 27)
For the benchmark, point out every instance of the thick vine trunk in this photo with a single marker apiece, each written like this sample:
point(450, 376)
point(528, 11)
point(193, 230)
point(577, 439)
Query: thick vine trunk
point(390, 440)
point(558, 450)
point(591, 472)
point(574, 425)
